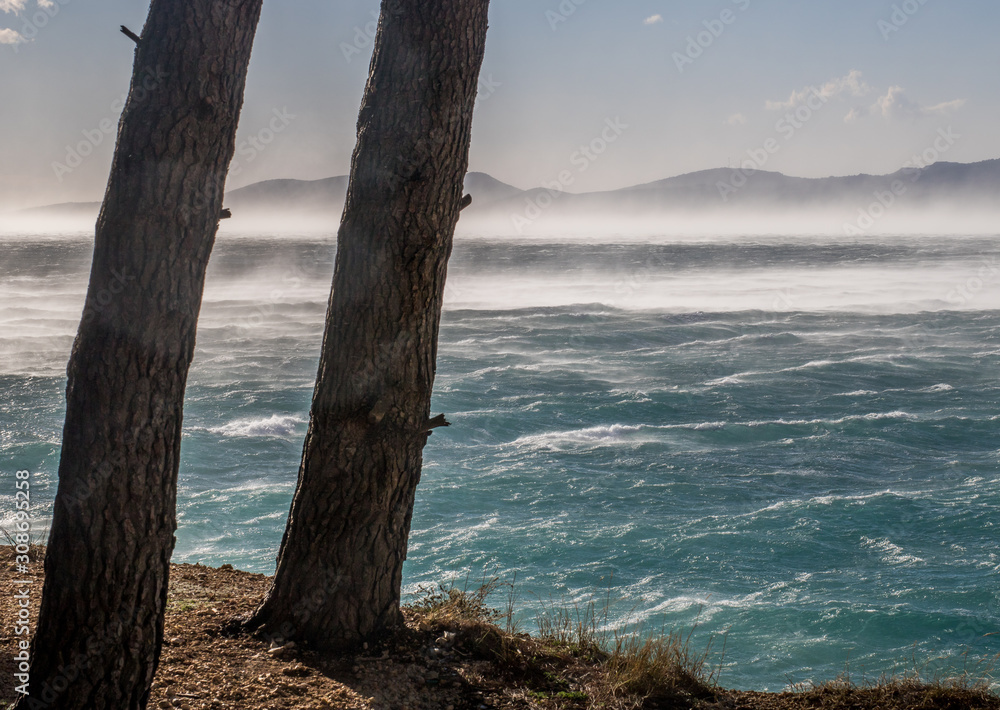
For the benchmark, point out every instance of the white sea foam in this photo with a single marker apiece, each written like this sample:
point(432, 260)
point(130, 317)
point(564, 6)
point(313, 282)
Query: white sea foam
point(608, 435)
point(739, 377)
point(825, 500)
point(631, 434)
point(871, 416)
point(890, 552)
point(276, 426)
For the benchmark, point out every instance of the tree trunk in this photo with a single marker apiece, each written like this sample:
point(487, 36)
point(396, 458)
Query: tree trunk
point(101, 621)
point(340, 566)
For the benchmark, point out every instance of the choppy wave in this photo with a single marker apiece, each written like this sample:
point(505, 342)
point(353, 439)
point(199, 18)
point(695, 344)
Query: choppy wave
point(631, 434)
point(276, 425)
point(792, 442)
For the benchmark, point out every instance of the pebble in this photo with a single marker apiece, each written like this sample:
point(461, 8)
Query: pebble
point(296, 669)
point(277, 650)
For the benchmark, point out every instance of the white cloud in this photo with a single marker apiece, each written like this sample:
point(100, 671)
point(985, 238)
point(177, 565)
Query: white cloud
point(18, 6)
point(737, 119)
point(651, 20)
point(853, 115)
point(14, 5)
point(10, 37)
point(851, 84)
point(896, 105)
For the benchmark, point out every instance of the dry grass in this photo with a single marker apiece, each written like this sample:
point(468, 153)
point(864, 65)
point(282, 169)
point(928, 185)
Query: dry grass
point(447, 605)
point(484, 630)
point(636, 669)
point(578, 659)
point(36, 544)
point(660, 668)
point(968, 690)
point(576, 656)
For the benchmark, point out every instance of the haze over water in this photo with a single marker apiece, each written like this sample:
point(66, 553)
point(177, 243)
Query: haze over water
point(789, 440)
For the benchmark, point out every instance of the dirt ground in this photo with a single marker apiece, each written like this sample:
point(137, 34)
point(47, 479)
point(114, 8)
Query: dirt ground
point(205, 665)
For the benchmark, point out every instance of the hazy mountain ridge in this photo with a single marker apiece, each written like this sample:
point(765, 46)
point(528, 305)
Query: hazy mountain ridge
point(706, 190)
point(699, 189)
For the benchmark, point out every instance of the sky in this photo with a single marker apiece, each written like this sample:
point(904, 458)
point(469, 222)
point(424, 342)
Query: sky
point(655, 88)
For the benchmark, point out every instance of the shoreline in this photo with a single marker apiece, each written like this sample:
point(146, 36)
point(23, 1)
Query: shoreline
point(454, 653)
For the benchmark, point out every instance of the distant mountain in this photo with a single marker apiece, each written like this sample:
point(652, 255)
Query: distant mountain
point(715, 188)
point(733, 187)
point(487, 190)
point(702, 192)
point(328, 195)
point(294, 195)
point(65, 209)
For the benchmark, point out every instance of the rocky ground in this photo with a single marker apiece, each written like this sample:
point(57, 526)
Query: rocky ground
point(447, 658)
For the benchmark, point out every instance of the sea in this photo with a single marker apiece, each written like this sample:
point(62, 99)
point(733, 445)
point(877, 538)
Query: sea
point(787, 445)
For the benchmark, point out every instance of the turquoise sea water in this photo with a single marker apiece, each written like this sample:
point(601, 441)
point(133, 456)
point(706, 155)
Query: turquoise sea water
point(793, 442)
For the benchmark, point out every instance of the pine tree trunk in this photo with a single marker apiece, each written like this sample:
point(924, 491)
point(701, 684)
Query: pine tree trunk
point(340, 566)
point(100, 626)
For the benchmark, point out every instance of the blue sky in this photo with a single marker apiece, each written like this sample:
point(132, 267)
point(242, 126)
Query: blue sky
point(697, 83)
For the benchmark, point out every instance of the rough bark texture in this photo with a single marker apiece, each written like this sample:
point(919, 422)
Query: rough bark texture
point(340, 566)
point(101, 620)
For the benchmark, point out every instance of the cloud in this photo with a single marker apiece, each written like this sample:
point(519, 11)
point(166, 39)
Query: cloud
point(853, 115)
point(15, 5)
point(737, 119)
point(651, 20)
point(18, 6)
point(10, 37)
point(851, 84)
point(896, 105)
point(893, 105)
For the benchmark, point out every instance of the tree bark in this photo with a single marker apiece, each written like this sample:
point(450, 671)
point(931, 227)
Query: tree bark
point(100, 626)
point(339, 569)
